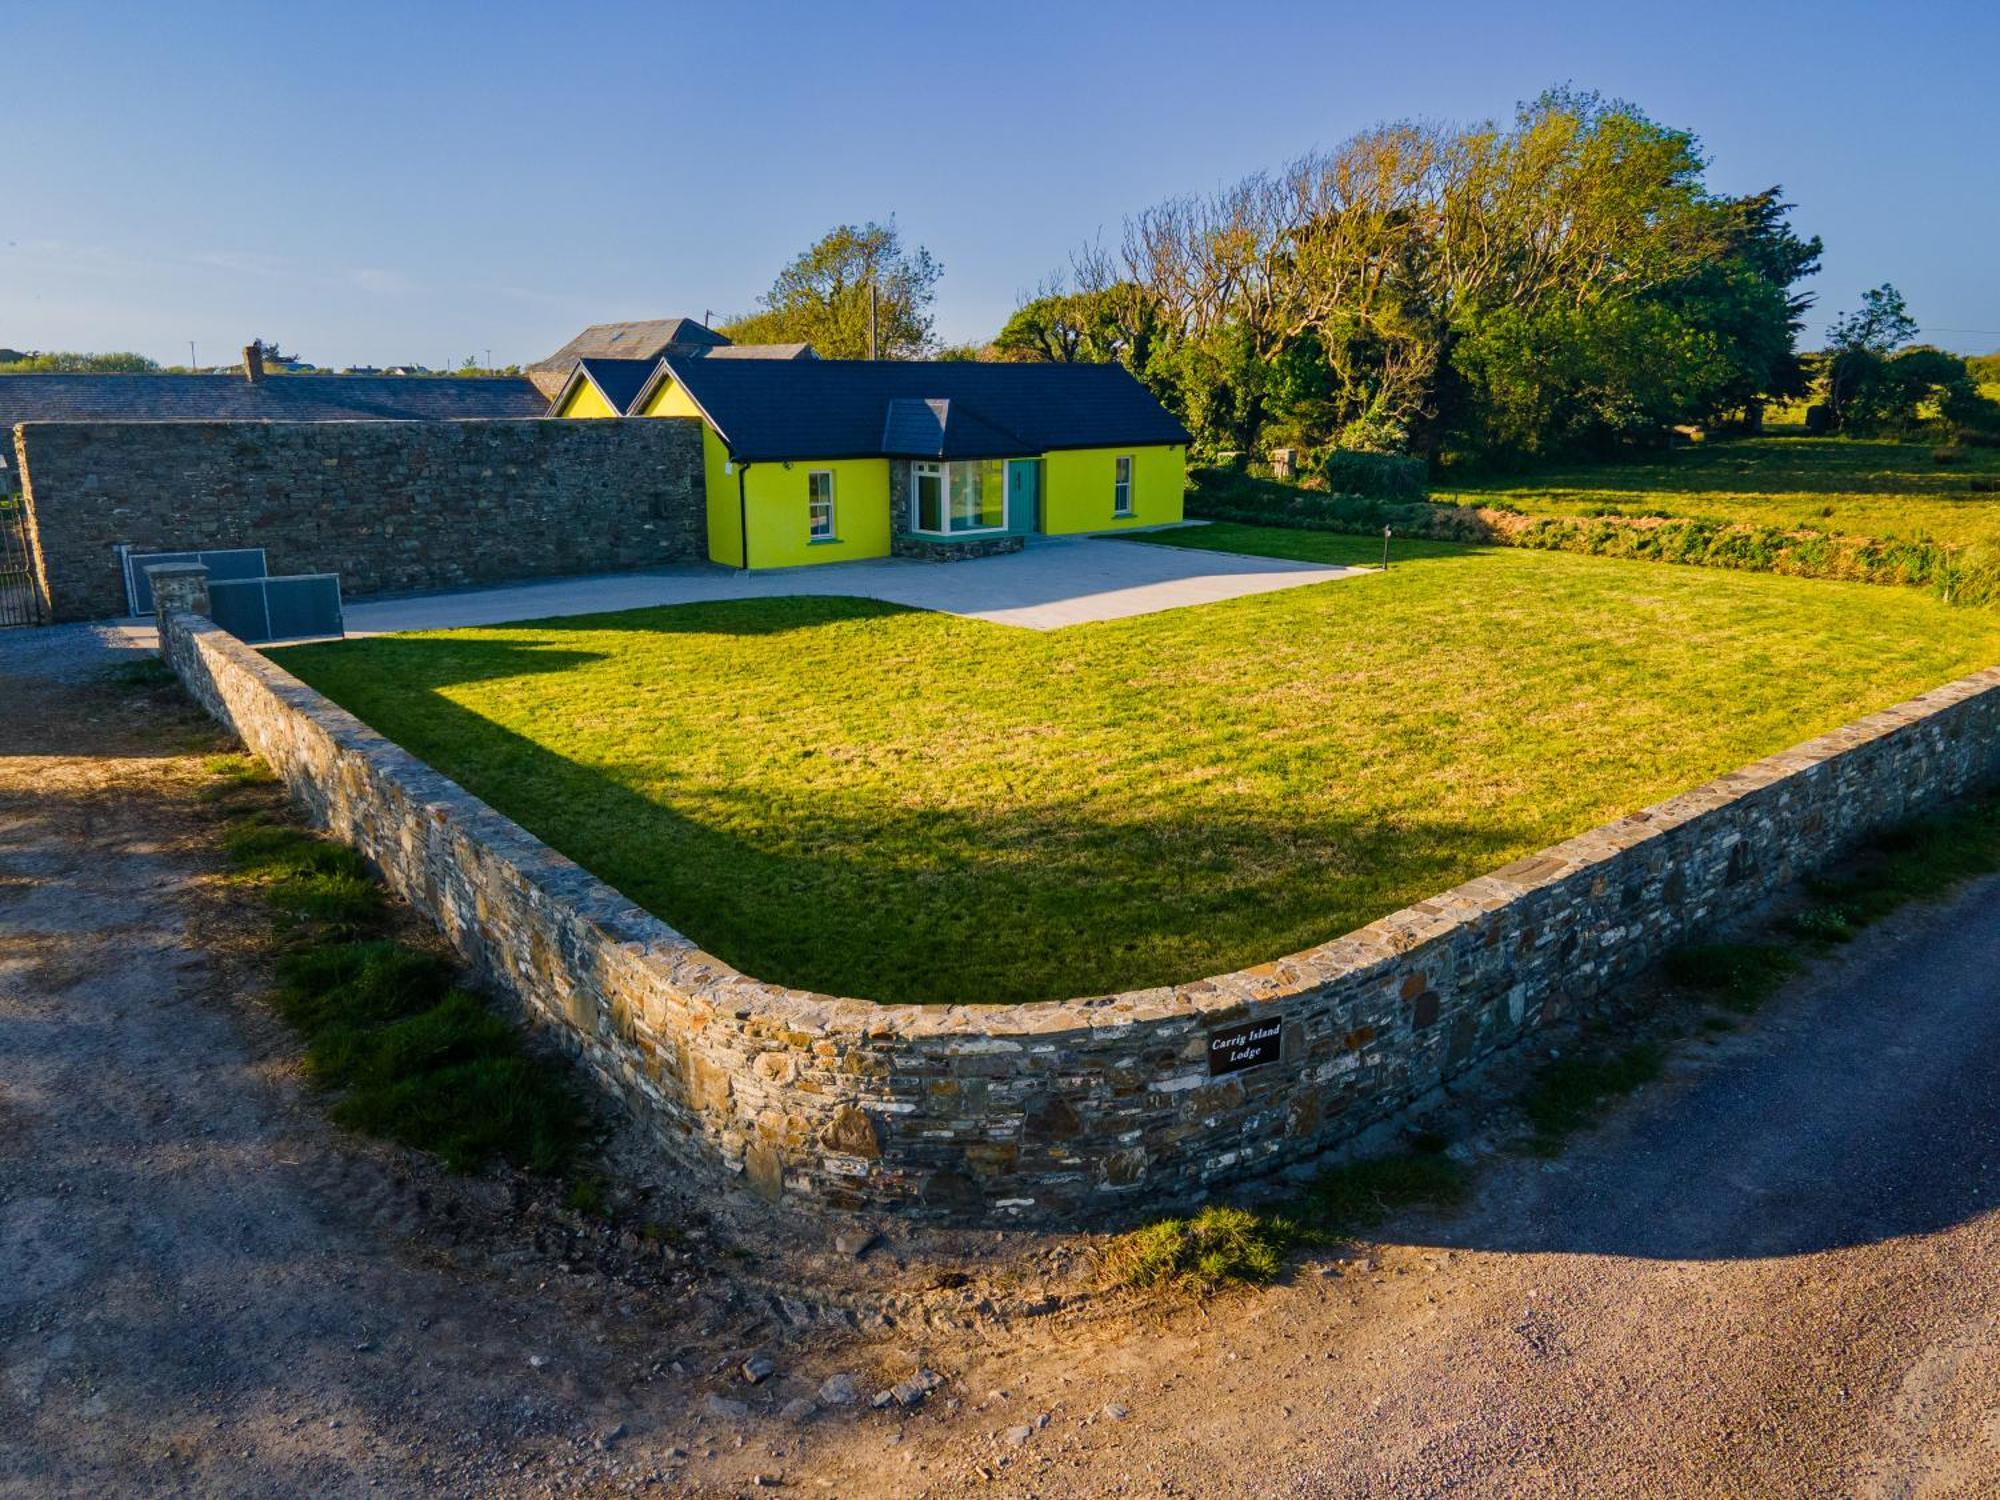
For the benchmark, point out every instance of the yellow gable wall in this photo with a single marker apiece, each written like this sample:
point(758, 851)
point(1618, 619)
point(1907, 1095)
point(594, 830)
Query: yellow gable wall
point(1079, 488)
point(669, 400)
point(774, 494)
point(584, 401)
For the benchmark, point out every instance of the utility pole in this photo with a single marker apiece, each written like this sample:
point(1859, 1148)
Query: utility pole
point(873, 318)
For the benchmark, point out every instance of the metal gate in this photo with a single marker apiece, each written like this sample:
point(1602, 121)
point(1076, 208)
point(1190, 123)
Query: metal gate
point(20, 600)
point(258, 611)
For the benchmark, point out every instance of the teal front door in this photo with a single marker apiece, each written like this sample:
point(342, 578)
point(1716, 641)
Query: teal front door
point(1024, 494)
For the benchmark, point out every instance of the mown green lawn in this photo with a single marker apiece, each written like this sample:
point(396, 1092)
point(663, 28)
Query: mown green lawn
point(1850, 486)
point(847, 796)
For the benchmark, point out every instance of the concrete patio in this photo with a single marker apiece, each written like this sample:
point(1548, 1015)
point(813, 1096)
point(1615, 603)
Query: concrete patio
point(1054, 582)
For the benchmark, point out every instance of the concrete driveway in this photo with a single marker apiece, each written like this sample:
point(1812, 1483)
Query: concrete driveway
point(1053, 582)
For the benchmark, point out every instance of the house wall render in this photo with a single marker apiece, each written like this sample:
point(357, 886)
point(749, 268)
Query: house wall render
point(1068, 1111)
point(389, 506)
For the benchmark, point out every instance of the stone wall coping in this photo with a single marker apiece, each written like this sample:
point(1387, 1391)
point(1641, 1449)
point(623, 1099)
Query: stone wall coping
point(703, 980)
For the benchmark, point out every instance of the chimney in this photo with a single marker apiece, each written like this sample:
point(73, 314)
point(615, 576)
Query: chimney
point(253, 362)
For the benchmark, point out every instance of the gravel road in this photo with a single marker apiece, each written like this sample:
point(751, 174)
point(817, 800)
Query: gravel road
point(1776, 1273)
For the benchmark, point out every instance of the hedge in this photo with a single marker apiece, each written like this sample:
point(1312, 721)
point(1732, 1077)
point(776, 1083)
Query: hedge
point(1957, 574)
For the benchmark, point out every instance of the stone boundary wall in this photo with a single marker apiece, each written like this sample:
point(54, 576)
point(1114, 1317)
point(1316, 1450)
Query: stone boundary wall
point(1082, 1109)
point(389, 506)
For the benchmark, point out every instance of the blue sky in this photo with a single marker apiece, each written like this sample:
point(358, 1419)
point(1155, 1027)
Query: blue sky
point(419, 181)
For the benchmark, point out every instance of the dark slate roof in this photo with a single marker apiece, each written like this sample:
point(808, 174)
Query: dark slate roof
point(618, 380)
point(915, 425)
point(646, 339)
point(276, 398)
point(841, 408)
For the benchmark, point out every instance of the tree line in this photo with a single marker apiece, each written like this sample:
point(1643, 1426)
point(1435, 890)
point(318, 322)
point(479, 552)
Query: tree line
point(1564, 282)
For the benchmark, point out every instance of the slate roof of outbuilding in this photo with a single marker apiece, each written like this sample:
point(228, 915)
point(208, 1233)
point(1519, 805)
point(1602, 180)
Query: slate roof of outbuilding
point(276, 398)
point(840, 408)
point(647, 338)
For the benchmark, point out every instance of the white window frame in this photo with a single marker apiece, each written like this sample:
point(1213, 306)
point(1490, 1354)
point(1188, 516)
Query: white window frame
point(813, 532)
point(943, 472)
point(1123, 470)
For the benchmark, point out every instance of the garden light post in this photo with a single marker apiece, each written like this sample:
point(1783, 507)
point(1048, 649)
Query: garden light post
point(1385, 549)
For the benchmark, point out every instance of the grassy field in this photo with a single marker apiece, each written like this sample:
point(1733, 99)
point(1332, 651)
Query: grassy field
point(1830, 484)
point(847, 796)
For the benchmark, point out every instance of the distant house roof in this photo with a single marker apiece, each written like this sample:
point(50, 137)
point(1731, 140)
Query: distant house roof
point(759, 351)
point(648, 338)
point(618, 381)
point(278, 398)
point(841, 408)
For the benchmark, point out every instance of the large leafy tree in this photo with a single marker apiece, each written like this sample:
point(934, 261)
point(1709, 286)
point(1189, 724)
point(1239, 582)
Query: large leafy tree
point(821, 297)
point(1564, 279)
point(1090, 325)
point(1865, 387)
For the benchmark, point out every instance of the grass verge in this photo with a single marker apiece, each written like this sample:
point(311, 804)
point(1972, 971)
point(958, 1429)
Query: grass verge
point(1571, 1092)
point(414, 1058)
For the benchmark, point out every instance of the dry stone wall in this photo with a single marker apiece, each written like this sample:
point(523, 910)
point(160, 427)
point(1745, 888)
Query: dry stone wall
point(388, 506)
point(1061, 1112)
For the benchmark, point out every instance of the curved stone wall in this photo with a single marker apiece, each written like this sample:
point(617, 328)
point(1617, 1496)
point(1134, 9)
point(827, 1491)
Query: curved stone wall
point(1060, 1112)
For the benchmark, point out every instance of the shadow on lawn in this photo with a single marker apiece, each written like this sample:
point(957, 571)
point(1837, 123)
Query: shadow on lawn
point(871, 895)
point(756, 615)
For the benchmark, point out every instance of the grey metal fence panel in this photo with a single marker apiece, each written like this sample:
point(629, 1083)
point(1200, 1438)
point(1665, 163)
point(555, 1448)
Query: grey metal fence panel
point(301, 606)
point(239, 609)
point(225, 565)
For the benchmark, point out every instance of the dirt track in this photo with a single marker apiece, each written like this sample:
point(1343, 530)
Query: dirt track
point(1776, 1274)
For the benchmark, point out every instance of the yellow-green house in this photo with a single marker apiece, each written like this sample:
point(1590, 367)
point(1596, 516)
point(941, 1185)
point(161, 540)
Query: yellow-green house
point(811, 461)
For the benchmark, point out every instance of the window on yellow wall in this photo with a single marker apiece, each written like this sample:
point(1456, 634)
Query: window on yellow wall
point(819, 505)
point(1121, 486)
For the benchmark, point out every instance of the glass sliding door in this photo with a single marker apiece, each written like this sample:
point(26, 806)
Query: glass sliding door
point(978, 502)
point(958, 498)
